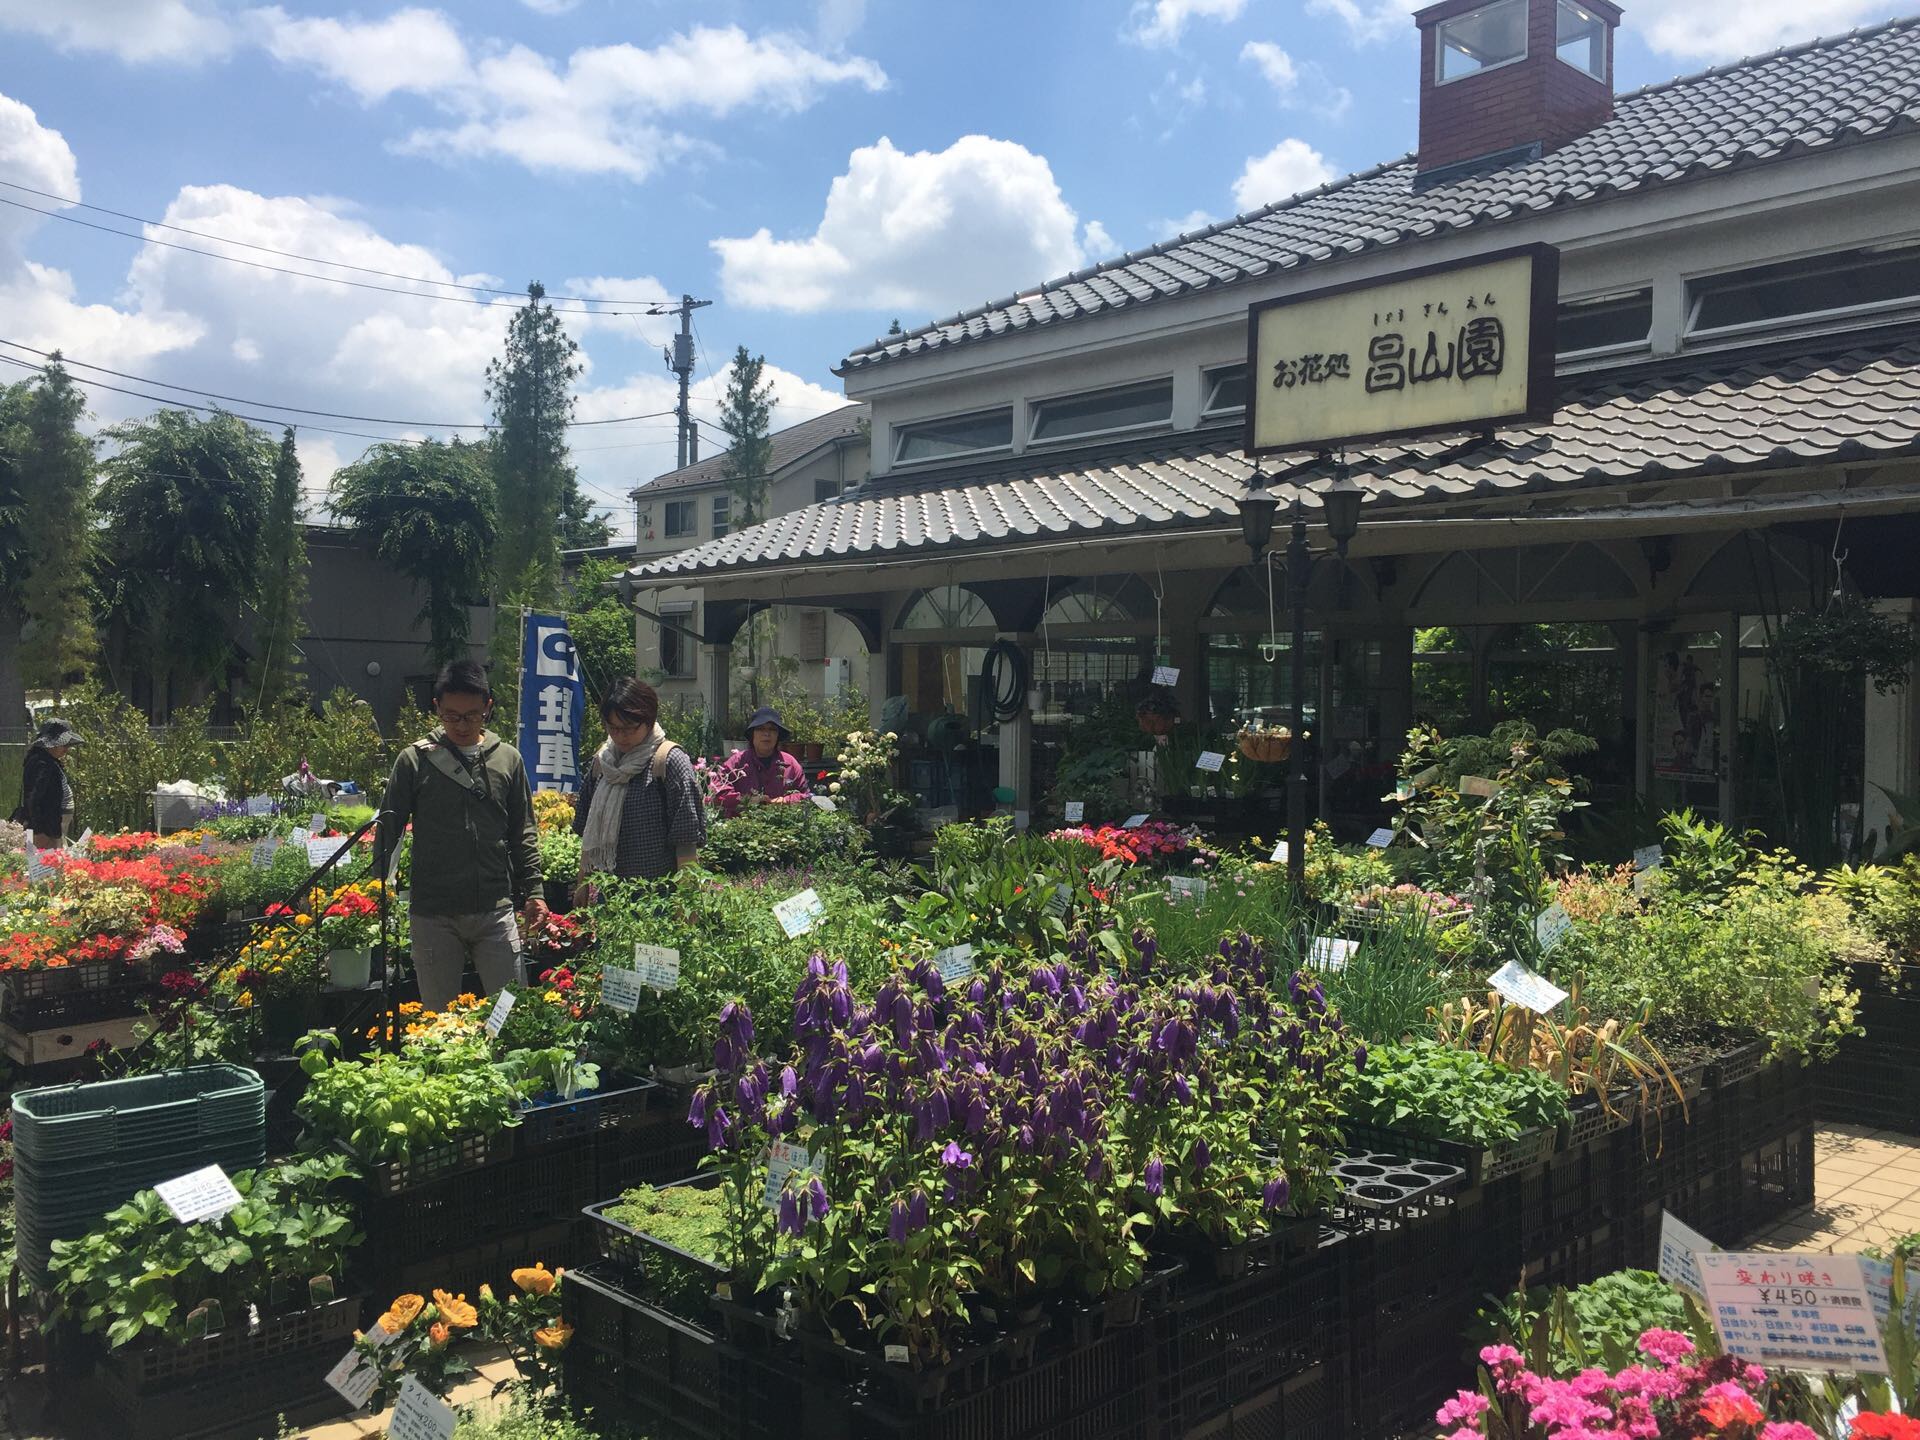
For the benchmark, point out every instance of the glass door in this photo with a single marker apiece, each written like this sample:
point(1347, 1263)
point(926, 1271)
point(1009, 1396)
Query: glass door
point(1689, 722)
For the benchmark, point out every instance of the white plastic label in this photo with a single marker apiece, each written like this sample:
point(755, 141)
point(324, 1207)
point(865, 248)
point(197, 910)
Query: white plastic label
point(1647, 857)
point(954, 963)
point(1526, 988)
point(204, 1194)
point(1076, 812)
point(1426, 776)
point(354, 1378)
point(419, 1414)
point(1186, 887)
point(1060, 902)
point(1022, 820)
point(502, 1008)
point(1134, 822)
point(1550, 927)
point(1478, 785)
point(38, 867)
point(258, 805)
point(784, 1159)
point(658, 966)
point(317, 822)
point(1793, 1312)
point(896, 1354)
point(85, 842)
point(1381, 838)
point(262, 855)
point(1330, 953)
point(620, 989)
point(824, 802)
point(1678, 1246)
point(298, 837)
point(1166, 674)
point(800, 913)
point(320, 851)
point(1210, 760)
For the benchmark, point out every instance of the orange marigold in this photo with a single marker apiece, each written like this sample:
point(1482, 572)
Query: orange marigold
point(402, 1313)
point(553, 1337)
point(538, 1280)
point(455, 1310)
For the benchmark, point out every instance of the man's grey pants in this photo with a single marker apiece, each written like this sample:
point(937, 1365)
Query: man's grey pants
point(442, 943)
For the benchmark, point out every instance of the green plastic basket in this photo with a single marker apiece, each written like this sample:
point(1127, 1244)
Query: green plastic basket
point(181, 1108)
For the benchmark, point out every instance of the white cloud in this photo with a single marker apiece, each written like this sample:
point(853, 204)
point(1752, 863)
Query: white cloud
point(1161, 22)
point(1095, 242)
point(837, 21)
point(1274, 63)
point(919, 231)
point(1373, 20)
point(653, 329)
point(1287, 169)
point(137, 31)
point(1689, 30)
point(32, 155)
point(550, 7)
point(604, 110)
point(1193, 220)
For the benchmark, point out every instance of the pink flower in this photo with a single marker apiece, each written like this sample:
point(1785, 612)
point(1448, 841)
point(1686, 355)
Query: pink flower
point(1669, 1347)
point(1465, 1409)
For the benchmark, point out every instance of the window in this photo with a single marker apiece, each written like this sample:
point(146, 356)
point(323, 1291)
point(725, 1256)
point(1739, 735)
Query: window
point(1482, 39)
point(950, 607)
point(1226, 390)
point(825, 490)
point(1580, 39)
point(722, 515)
point(1878, 277)
point(956, 435)
point(1605, 321)
point(1105, 412)
point(676, 645)
point(683, 520)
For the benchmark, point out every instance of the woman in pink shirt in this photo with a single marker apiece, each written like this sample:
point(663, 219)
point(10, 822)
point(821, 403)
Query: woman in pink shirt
point(763, 768)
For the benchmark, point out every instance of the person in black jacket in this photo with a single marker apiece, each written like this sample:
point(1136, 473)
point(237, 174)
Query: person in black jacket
point(46, 795)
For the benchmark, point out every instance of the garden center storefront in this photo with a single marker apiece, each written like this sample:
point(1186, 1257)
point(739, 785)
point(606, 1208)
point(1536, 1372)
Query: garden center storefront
point(1619, 569)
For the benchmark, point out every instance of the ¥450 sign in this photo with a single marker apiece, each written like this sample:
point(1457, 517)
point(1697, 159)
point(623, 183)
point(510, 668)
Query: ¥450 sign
point(1460, 346)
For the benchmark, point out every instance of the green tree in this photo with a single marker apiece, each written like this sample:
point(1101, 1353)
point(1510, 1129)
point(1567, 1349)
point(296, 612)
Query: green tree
point(581, 526)
point(603, 636)
point(54, 466)
point(530, 389)
point(13, 559)
point(746, 414)
point(283, 583)
point(184, 503)
point(429, 511)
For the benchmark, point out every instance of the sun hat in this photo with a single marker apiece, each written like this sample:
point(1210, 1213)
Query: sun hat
point(767, 715)
point(55, 733)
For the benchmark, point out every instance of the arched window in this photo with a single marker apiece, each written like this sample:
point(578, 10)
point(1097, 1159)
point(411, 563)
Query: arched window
point(1122, 602)
point(947, 607)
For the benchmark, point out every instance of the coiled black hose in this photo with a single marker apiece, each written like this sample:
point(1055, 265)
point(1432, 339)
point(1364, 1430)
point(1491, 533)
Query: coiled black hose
point(1003, 682)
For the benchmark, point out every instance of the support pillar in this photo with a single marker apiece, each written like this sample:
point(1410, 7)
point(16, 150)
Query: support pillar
point(1893, 747)
point(1016, 739)
point(718, 660)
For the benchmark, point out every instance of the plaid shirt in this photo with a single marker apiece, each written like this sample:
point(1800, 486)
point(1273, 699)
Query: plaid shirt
point(660, 819)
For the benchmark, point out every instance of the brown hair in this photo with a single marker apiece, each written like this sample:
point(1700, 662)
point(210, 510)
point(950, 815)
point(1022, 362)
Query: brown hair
point(633, 700)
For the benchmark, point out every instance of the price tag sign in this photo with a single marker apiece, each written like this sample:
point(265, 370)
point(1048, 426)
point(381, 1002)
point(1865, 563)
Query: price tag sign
point(1060, 902)
point(1679, 1243)
point(1426, 776)
point(263, 850)
point(199, 1195)
point(38, 866)
point(1793, 1312)
point(1134, 822)
point(1210, 760)
point(1076, 812)
point(85, 842)
point(1879, 1278)
point(502, 1008)
point(1478, 785)
point(258, 805)
point(658, 966)
point(824, 802)
point(419, 1414)
point(1329, 953)
point(1281, 853)
point(1647, 857)
point(620, 989)
point(1550, 927)
point(800, 913)
point(784, 1159)
point(954, 963)
point(317, 822)
point(1381, 838)
point(206, 843)
point(299, 837)
point(1166, 674)
point(895, 1354)
point(354, 1378)
point(323, 849)
point(1526, 988)
point(1022, 820)
point(1186, 887)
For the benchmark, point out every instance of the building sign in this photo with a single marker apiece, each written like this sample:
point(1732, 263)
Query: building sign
point(553, 703)
point(1449, 347)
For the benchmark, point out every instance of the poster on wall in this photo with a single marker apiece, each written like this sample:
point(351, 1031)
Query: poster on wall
point(1686, 714)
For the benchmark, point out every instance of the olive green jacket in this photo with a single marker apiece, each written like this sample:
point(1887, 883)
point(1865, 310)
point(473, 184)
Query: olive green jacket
point(475, 843)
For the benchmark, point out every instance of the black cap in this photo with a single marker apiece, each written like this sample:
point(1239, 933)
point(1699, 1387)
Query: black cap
point(767, 715)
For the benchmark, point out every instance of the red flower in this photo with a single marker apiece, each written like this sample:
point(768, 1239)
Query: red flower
point(1884, 1427)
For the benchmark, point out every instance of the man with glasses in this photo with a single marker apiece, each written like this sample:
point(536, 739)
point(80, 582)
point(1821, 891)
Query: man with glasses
point(476, 855)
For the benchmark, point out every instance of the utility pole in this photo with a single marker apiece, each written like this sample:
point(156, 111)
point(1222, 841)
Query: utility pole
point(680, 361)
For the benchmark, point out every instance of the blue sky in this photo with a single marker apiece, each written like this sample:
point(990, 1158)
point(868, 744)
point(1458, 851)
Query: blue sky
point(815, 169)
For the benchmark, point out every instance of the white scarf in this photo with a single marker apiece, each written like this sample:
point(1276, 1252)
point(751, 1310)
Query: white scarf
point(600, 842)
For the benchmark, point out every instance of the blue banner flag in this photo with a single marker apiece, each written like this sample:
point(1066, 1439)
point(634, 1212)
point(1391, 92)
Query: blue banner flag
point(553, 703)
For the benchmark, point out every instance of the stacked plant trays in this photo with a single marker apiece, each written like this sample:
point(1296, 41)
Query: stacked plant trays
point(1874, 1079)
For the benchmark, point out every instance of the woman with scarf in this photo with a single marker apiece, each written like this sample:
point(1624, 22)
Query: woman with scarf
point(640, 815)
point(763, 768)
point(46, 794)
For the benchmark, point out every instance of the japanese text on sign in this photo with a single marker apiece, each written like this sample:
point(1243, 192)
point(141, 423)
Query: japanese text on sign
point(552, 703)
point(1550, 926)
point(784, 1159)
point(323, 849)
point(1678, 1245)
point(419, 1414)
point(658, 966)
point(1076, 811)
point(620, 989)
point(800, 913)
point(954, 963)
point(1526, 988)
point(204, 1194)
point(502, 1008)
point(1060, 902)
point(1799, 1312)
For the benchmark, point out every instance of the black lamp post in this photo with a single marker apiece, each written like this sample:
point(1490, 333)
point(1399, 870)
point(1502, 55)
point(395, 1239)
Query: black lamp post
point(1341, 506)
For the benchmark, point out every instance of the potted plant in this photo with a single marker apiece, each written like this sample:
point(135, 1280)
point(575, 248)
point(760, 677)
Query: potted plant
point(1157, 714)
point(1263, 741)
point(348, 927)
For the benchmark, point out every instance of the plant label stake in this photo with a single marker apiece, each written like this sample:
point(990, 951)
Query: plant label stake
point(1210, 760)
point(800, 913)
point(824, 802)
point(317, 822)
point(1426, 777)
point(1166, 675)
point(1647, 857)
point(784, 1159)
point(263, 852)
point(895, 1354)
point(353, 1378)
point(658, 966)
point(1022, 820)
point(954, 963)
point(38, 867)
point(1550, 927)
point(1280, 853)
point(1329, 953)
point(324, 848)
point(502, 1008)
point(1076, 812)
point(1186, 887)
point(1526, 988)
point(420, 1415)
point(620, 989)
point(1478, 786)
point(1060, 902)
point(259, 805)
point(1678, 1246)
point(1134, 822)
point(204, 1194)
point(1793, 1312)
point(1381, 838)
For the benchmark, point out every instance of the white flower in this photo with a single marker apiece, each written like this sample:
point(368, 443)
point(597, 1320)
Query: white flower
point(834, 788)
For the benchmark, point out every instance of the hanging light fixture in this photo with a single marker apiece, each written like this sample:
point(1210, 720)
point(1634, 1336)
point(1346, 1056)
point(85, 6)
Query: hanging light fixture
point(1341, 506)
point(1257, 509)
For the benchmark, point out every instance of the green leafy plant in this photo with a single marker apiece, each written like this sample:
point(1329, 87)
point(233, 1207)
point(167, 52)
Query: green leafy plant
point(392, 1106)
point(1423, 1087)
point(1565, 1331)
point(1391, 986)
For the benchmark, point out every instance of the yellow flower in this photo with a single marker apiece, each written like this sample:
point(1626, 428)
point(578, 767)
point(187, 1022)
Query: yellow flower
point(303, 919)
point(244, 999)
point(404, 1311)
point(553, 1337)
point(438, 1334)
point(486, 1292)
point(455, 1310)
point(536, 1281)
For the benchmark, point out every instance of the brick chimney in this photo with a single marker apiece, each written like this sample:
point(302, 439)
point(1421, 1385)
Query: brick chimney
point(1503, 81)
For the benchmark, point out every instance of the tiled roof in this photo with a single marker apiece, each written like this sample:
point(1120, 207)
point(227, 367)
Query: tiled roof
point(789, 445)
point(1748, 411)
point(1807, 97)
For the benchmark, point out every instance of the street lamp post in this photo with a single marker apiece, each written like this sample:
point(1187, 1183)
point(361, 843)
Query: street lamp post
point(1341, 507)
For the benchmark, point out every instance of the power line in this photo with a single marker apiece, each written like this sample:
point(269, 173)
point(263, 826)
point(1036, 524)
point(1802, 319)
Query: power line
point(309, 275)
point(301, 410)
point(312, 259)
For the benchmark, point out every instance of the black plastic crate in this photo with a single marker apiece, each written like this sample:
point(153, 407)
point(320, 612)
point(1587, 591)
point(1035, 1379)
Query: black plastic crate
point(1580, 1258)
point(47, 1010)
point(148, 1369)
point(1509, 1157)
point(1310, 1406)
point(1410, 1265)
point(620, 1104)
point(1400, 1376)
point(244, 1398)
point(662, 1149)
point(464, 1270)
point(433, 1165)
point(662, 1274)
